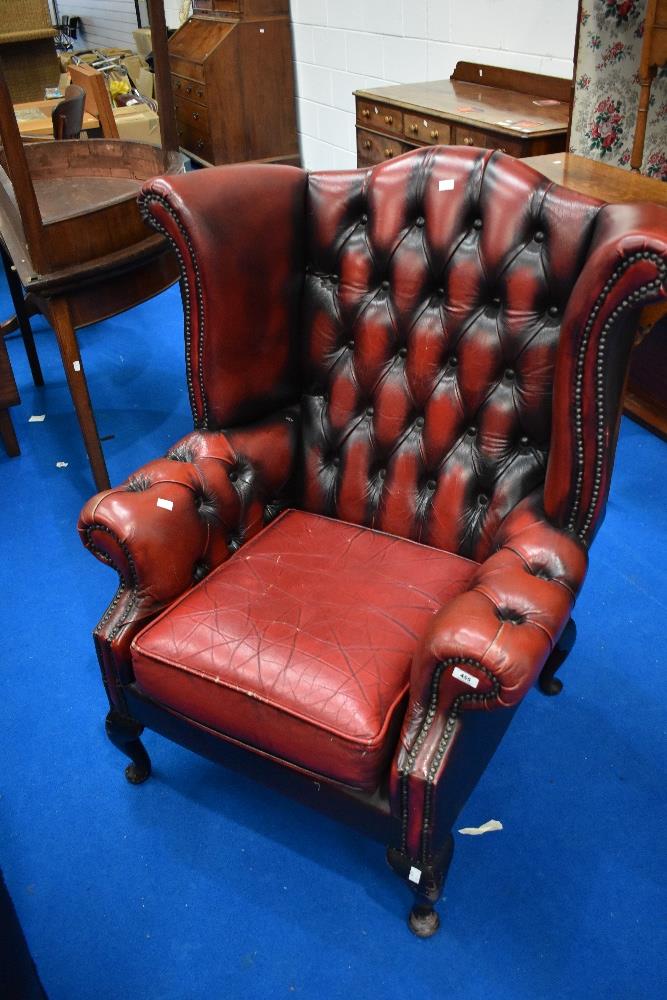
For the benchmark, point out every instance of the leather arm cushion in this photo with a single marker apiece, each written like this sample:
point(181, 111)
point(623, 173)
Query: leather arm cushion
point(179, 517)
point(238, 233)
point(625, 270)
point(486, 647)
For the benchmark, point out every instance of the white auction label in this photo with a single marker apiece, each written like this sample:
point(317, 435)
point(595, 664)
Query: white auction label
point(468, 679)
point(447, 185)
point(167, 504)
point(415, 875)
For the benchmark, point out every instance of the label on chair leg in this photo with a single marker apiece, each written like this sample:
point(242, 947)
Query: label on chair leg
point(415, 875)
point(461, 675)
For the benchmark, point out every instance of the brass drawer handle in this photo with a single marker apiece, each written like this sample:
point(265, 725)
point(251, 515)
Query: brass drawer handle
point(365, 113)
point(195, 115)
point(389, 119)
point(503, 149)
point(435, 134)
point(415, 129)
point(389, 153)
point(467, 141)
point(368, 144)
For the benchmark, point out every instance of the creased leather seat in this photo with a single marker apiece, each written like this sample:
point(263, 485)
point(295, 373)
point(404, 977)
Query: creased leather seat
point(301, 646)
point(423, 364)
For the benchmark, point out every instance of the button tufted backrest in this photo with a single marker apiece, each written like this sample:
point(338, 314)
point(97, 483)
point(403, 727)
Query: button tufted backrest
point(435, 287)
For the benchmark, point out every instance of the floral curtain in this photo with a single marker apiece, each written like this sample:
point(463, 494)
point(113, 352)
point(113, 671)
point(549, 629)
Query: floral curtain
point(606, 92)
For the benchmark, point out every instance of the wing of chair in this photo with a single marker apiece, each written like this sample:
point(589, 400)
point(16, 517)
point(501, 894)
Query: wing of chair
point(406, 386)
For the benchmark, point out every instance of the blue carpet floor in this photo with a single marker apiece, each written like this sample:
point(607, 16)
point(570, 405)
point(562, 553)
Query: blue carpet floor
point(202, 884)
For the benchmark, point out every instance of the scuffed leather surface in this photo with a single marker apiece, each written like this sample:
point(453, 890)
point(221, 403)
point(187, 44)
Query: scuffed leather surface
point(301, 644)
point(504, 625)
point(626, 269)
point(238, 233)
point(431, 324)
point(223, 488)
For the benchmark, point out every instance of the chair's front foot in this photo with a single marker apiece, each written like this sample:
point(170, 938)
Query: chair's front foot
point(124, 733)
point(549, 684)
point(426, 879)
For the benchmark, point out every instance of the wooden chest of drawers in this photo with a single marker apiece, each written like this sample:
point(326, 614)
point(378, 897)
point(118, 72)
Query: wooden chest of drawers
point(233, 82)
point(521, 113)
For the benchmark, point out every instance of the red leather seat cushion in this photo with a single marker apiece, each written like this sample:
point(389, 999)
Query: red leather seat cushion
point(300, 645)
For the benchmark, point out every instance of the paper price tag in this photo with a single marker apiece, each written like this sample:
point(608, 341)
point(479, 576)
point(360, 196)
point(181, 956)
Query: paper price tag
point(466, 678)
point(415, 875)
point(446, 185)
point(166, 504)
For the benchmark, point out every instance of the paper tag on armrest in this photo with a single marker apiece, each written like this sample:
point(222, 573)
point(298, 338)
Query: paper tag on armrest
point(167, 504)
point(446, 185)
point(461, 675)
point(415, 875)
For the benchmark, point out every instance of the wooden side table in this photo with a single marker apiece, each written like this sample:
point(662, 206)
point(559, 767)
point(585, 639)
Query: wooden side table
point(646, 392)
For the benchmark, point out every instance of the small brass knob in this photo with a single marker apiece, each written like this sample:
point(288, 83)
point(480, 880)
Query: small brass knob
point(388, 119)
point(503, 149)
point(414, 128)
point(389, 153)
point(467, 141)
point(435, 134)
point(188, 90)
point(195, 115)
point(368, 144)
point(178, 85)
point(365, 113)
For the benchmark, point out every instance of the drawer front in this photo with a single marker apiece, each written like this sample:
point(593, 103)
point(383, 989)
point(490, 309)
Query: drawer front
point(464, 136)
point(191, 113)
point(372, 148)
point(380, 116)
point(195, 141)
point(420, 129)
point(189, 89)
point(183, 67)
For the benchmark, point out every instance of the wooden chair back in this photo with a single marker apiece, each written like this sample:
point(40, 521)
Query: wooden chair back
point(67, 116)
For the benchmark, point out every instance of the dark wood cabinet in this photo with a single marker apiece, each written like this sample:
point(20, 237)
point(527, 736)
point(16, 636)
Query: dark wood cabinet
point(232, 76)
point(523, 114)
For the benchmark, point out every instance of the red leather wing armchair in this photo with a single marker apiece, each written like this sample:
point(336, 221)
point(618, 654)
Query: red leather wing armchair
point(406, 387)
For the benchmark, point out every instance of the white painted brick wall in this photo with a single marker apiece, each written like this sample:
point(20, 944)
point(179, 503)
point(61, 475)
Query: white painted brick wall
point(339, 48)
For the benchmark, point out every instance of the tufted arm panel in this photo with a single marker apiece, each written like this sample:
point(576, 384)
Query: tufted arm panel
point(626, 269)
point(238, 233)
point(180, 516)
point(484, 650)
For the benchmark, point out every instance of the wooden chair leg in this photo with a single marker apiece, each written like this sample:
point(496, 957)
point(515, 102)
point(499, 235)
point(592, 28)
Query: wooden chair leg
point(8, 435)
point(548, 683)
point(124, 733)
point(23, 310)
point(61, 322)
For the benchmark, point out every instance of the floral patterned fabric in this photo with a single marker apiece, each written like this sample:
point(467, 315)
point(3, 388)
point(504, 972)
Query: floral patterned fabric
point(607, 88)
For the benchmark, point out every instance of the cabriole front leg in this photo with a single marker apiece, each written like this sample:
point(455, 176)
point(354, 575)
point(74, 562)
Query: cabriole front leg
point(124, 733)
point(426, 879)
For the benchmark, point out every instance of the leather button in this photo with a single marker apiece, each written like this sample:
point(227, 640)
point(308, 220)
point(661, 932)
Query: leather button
point(431, 485)
point(477, 224)
point(453, 361)
point(471, 432)
point(496, 302)
point(385, 284)
point(419, 422)
point(539, 236)
point(419, 221)
point(335, 460)
point(382, 473)
point(483, 500)
point(369, 411)
point(553, 310)
point(364, 220)
point(523, 441)
point(441, 293)
point(402, 352)
point(350, 344)
point(233, 476)
point(335, 279)
point(509, 374)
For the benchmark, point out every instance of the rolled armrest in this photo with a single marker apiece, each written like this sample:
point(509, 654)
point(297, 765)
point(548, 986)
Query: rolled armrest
point(179, 517)
point(486, 647)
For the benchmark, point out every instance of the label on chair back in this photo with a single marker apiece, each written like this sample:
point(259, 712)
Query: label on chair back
point(415, 875)
point(461, 675)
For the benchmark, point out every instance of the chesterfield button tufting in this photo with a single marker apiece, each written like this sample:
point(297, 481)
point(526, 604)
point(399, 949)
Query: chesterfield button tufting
point(483, 500)
point(419, 221)
point(441, 293)
point(471, 432)
point(350, 343)
point(369, 411)
point(509, 374)
point(553, 310)
point(382, 473)
point(496, 302)
point(385, 284)
point(402, 352)
point(539, 236)
point(431, 485)
point(419, 422)
point(453, 361)
point(335, 460)
point(477, 224)
point(364, 220)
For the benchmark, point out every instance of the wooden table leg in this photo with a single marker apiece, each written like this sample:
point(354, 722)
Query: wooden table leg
point(22, 318)
point(61, 322)
point(8, 434)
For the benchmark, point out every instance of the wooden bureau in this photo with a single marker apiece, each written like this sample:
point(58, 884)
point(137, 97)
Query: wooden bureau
point(473, 108)
point(233, 82)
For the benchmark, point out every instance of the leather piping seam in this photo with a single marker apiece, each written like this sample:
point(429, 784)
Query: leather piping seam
point(431, 712)
point(631, 301)
point(144, 201)
point(104, 557)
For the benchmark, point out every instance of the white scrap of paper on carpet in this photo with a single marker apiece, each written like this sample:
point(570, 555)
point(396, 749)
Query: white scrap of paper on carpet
point(37, 418)
point(477, 831)
point(61, 465)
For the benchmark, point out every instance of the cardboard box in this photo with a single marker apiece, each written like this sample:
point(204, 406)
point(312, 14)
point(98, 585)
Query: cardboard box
point(138, 123)
point(142, 40)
